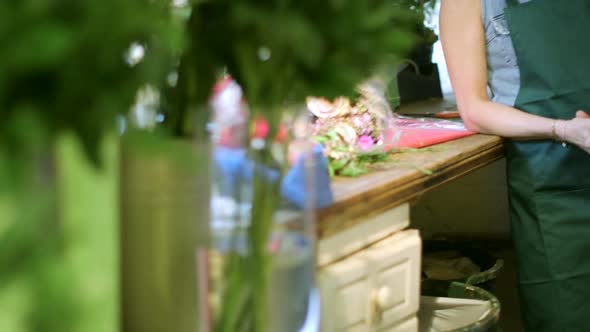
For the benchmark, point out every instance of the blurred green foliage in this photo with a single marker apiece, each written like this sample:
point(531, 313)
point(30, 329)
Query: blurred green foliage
point(279, 51)
point(63, 70)
point(58, 246)
point(63, 67)
point(283, 50)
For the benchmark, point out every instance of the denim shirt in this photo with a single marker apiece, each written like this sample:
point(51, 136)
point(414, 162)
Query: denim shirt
point(503, 73)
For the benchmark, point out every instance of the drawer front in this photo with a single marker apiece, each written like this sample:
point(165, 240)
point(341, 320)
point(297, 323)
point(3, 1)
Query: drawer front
point(367, 232)
point(410, 325)
point(343, 289)
point(395, 270)
point(375, 289)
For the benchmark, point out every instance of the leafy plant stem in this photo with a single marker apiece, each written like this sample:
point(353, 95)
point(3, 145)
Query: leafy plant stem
point(264, 204)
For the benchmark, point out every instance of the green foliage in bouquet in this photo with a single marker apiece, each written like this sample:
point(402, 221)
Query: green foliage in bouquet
point(350, 164)
point(279, 51)
point(63, 70)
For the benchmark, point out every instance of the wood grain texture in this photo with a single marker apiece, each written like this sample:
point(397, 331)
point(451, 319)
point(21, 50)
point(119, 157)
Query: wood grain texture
point(403, 178)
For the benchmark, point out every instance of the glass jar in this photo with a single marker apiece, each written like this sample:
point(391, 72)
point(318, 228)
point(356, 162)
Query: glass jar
point(261, 261)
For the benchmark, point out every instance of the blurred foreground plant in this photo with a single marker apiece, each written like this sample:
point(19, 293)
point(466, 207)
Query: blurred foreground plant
point(67, 67)
point(280, 51)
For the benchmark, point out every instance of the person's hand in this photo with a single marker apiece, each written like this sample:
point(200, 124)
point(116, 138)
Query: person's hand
point(575, 131)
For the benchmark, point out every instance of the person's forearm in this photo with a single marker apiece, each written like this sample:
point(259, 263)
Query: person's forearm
point(463, 39)
point(487, 117)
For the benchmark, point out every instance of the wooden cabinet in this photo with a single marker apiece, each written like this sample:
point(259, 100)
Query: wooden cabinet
point(368, 261)
point(375, 288)
point(408, 325)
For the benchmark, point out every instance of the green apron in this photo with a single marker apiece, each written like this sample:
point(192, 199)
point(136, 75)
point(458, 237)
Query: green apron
point(549, 184)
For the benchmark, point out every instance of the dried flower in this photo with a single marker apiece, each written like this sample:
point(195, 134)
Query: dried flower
point(341, 107)
point(347, 133)
point(320, 107)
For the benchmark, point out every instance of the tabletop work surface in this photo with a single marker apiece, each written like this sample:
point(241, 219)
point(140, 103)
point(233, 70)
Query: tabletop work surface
point(403, 177)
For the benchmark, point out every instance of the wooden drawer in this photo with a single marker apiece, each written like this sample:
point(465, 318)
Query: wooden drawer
point(409, 325)
point(395, 283)
point(374, 289)
point(369, 231)
point(342, 288)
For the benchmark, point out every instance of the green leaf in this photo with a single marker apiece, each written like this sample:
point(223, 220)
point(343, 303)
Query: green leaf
point(373, 157)
point(424, 170)
point(331, 170)
point(320, 139)
point(333, 135)
point(338, 164)
point(47, 44)
point(353, 170)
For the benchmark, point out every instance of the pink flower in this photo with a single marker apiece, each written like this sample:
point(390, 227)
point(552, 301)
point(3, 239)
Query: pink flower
point(261, 128)
point(366, 142)
point(282, 134)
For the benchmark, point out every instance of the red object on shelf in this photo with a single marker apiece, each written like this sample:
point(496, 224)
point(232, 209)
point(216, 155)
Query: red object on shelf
point(420, 138)
point(423, 132)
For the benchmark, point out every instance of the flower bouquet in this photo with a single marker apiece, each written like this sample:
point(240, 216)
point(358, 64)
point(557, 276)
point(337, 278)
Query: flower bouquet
point(354, 135)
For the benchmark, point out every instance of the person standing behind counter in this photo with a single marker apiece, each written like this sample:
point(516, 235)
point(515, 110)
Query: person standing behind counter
point(534, 56)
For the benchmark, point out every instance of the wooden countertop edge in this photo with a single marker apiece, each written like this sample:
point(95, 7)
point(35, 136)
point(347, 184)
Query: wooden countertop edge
point(351, 210)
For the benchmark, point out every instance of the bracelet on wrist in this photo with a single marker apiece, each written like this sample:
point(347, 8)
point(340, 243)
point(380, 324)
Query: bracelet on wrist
point(560, 131)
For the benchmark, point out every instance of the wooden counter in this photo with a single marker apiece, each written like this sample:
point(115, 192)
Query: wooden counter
point(403, 178)
point(368, 261)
